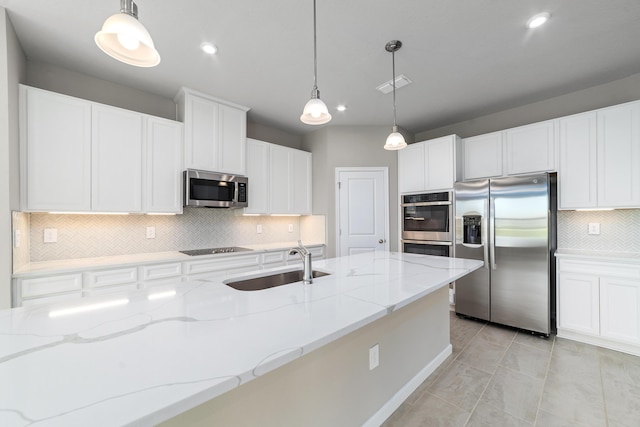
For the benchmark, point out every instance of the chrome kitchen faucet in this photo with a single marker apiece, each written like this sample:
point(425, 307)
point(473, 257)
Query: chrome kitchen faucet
point(305, 255)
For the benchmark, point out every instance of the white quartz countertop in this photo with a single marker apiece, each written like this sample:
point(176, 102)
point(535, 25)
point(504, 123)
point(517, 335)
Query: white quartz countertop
point(145, 356)
point(602, 256)
point(78, 264)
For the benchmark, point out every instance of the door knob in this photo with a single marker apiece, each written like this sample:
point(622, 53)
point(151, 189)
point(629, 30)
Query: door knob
point(380, 241)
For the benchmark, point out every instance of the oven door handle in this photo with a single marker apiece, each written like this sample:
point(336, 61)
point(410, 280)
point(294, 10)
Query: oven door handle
point(404, 205)
point(428, 242)
point(414, 218)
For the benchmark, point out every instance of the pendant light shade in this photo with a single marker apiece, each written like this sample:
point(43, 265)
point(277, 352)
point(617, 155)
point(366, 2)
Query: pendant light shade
point(315, 111)
point(124, 38)
point(395, 140)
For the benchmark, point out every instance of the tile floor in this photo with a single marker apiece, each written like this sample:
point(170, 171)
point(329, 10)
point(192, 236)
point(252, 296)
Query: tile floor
point(500, 377)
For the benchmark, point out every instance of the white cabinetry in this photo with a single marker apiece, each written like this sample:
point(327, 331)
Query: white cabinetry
point(163, 175)
point(619, 156)
point(55, 152)
point(81, 156)
point(215, 132)
point(279, 179)
point(577, 178)
point(530, 148)
point(599, 303)
point(482, 156)
point(600, 158)
point(429, 165)
point(116, 160)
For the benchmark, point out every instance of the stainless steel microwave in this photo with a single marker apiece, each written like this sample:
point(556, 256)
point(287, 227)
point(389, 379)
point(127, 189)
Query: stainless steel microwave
point(214, 190)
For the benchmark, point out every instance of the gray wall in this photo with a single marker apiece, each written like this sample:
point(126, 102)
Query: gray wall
point(12, 71)
point(349, 146)
point(272, 135)
point(616, 92)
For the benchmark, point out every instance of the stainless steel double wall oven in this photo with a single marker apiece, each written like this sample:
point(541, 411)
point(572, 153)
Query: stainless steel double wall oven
point(427, 224)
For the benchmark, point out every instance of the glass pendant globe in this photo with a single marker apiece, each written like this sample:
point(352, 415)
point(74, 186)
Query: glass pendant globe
point(395, 141)
point(315, 112)
point(124, 38)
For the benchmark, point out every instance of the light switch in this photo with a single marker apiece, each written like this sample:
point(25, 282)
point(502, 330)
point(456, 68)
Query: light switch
point(151, 232)
point(259, 228)
point(16, 239)
point(594, 228)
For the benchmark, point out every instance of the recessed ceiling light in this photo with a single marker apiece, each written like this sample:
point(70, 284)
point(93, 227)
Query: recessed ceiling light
point(538, 20)
point(209, 48)
point(341, 108)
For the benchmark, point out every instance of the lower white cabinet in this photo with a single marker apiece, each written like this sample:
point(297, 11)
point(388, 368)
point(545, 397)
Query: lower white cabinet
point(61, 287)
point(599, 303)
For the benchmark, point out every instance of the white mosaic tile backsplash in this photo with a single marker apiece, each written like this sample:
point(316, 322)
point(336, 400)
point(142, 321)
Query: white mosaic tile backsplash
point(84, 236)
point(619, 230)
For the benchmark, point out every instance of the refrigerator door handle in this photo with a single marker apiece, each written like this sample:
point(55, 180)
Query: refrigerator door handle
point(492, 232)
point(485, 233)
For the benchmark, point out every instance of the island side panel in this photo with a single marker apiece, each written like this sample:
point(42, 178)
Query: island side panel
point(333, 384)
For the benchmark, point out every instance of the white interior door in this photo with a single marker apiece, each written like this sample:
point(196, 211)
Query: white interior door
point(362, 209)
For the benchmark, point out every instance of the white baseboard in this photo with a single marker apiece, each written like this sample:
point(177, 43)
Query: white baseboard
point(600, 342)
point(412, 385)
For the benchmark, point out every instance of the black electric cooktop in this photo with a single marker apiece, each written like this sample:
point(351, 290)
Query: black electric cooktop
point(210, 251)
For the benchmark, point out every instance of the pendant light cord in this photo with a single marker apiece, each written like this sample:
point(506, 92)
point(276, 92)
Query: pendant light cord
point(315, 51)
point(393, 84)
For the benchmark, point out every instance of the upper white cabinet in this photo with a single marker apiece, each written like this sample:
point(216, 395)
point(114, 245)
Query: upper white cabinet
point(279, 179)
point(577, 180)
point(55, 152)
point(215, 132)
point(482, 156)
point(429, 165)
point(162, 183)
point(530, 148)
point(600, 158)
point(619, 156)
point(516, 151)
point(116, 160)
point(81, 156)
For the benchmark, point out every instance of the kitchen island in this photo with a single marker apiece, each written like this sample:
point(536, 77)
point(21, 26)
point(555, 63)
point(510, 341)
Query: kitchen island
point(204, 353)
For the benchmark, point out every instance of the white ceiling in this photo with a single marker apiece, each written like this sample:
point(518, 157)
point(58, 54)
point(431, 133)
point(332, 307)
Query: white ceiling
point(465, 58)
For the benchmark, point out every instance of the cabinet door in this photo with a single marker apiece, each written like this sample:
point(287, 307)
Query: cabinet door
point(55, 152)
point(116, 183)
point(577, 171)
point(482, 156)
point(258, 174)
point(411, 168)
point(280, 180)
point(578, 303)
point(619, 156)
point(301, 182)
point(201, 133)
point(163, 174)
point(530, 148)
point(440, 163)
point(232, 140)
point(619, 306)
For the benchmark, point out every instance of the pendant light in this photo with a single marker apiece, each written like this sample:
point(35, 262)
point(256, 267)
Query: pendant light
point(124, 38)
point(395, 140)
point(315, 111)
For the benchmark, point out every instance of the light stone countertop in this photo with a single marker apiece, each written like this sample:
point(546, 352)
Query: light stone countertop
point(144, 356)
point(599, 256)
point(80, 264)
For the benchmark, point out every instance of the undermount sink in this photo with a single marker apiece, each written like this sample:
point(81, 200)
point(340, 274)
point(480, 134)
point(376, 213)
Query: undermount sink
point(271, 281)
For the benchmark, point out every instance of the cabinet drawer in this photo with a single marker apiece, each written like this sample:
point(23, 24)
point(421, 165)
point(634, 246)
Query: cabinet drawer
point(600, 269)
point(111, 289)
point(161, 271)
point(274, 257)
point(170, 281)
point(221, 264)
point(50, 285)
point(51, 299)
point(96, 279)
point(317, 252)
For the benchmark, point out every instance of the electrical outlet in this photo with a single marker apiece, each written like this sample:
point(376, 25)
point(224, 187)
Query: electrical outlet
point(259, 228)
point(374, 357)
point(151, 232)
point(50, 235)
point(290, 228)
point(16, 239)
point(594, 228)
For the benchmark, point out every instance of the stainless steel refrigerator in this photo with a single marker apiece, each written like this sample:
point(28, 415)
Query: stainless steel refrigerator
point(510, 223)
